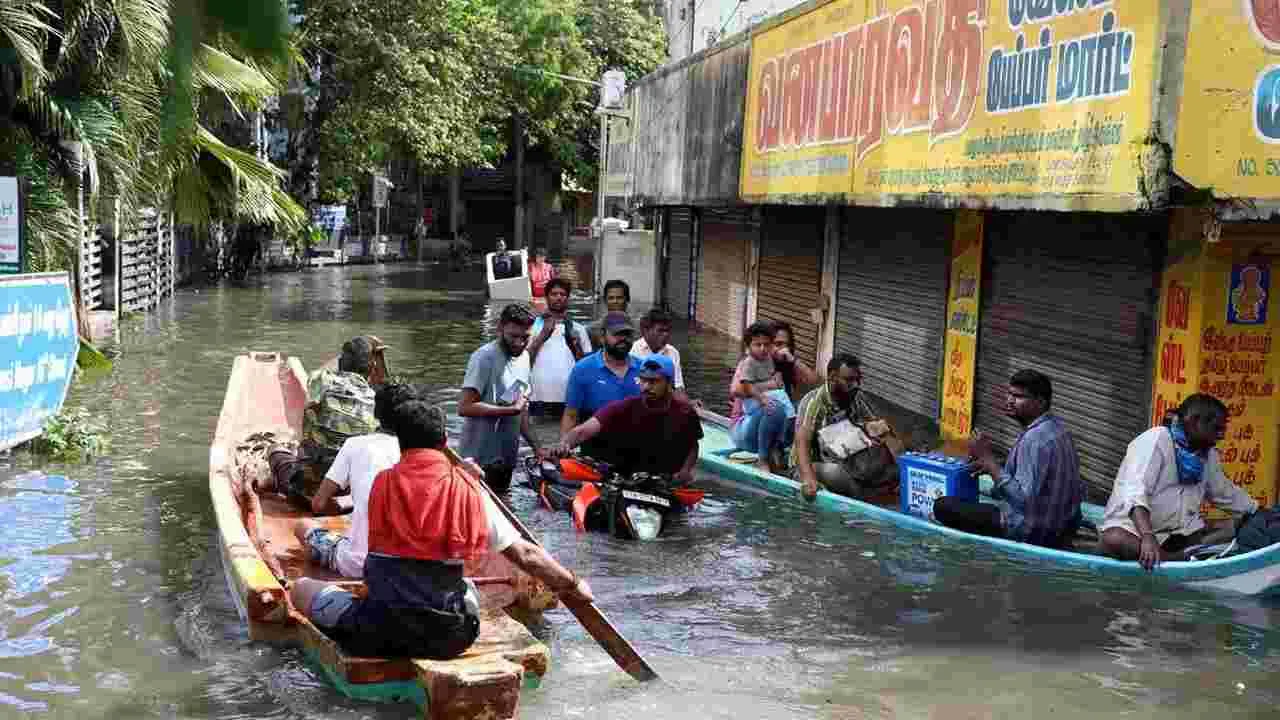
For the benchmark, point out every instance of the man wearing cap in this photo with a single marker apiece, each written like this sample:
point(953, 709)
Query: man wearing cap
point(600, 378)
point(340, 407)
point(657, 431)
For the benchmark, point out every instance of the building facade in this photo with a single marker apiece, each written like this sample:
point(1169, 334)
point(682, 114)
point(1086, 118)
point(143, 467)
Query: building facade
point(954, 191)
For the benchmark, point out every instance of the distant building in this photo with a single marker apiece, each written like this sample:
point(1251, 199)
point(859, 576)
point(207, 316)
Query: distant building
point(694, 25)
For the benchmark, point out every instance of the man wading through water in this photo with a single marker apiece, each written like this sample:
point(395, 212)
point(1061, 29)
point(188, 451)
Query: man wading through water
point(599, 379)
point(495, 398)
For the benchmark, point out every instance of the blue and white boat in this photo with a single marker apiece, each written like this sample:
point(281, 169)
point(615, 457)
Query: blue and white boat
point(1252, 573)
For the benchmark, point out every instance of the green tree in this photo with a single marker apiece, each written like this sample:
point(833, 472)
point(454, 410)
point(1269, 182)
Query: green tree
point(115, 90)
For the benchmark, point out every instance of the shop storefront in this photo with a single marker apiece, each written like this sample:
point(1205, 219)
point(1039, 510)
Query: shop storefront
point(1074, 297)
point(678, 234)
point(891, 301)
point(723, 262)
point(789, 276)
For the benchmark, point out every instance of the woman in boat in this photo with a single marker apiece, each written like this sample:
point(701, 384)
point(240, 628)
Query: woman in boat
point(794, 372)
point(762, 412)
point(541, 272)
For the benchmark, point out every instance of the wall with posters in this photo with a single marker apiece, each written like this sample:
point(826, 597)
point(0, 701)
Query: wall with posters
point(1218, 335)
point(1007, 103)
point(961, 350)
point(1228, 131)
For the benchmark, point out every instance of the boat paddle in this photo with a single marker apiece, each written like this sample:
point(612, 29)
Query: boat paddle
point(594, 621)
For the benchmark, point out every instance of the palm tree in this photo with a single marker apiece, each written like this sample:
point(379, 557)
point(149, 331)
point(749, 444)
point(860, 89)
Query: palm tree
point(114, 91)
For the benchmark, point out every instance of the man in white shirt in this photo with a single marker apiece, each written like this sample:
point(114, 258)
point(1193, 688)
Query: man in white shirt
point(558, 343)
point(655, 336)
point(359, 461)
point(1168, 471)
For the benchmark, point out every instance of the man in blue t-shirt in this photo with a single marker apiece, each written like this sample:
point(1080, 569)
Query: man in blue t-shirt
point(600, 378)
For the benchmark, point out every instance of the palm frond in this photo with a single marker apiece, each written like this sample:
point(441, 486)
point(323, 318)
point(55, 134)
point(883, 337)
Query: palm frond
point(26, 25)
point(145, 24)
point(236, 184)
point(241, 82)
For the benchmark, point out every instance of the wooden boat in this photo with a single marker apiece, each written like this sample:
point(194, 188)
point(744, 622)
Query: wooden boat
point(267, 394)
point(1252, 573)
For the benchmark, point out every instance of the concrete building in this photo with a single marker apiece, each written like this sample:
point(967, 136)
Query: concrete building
point(955, 191)
point(694, 25)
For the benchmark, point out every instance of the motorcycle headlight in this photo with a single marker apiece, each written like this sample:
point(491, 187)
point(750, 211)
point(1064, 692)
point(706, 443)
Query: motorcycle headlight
point(645, 523)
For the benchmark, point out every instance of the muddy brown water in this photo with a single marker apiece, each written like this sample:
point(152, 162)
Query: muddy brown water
point(113, 602)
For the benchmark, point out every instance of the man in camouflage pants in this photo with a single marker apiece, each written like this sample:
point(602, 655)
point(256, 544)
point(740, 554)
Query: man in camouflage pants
point(341, 406)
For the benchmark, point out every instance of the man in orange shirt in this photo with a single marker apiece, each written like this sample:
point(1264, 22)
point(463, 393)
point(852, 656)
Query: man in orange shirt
point(426, 517)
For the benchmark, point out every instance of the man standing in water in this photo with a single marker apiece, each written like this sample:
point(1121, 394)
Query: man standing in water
point(599, 379)
point(617, 297)
point(495, 398)
point(558, 344)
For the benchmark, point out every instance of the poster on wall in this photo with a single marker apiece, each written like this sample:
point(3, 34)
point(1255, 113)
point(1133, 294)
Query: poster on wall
point(961, 348)
point(39, 342)
point(11, 240)
point(1250, 290)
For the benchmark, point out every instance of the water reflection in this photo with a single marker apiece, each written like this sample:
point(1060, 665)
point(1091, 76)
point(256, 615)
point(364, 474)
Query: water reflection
point(113, 601)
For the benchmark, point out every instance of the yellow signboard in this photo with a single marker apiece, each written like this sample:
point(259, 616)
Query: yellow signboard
point(1228, 135)
point(964, 97)
point(962, 327)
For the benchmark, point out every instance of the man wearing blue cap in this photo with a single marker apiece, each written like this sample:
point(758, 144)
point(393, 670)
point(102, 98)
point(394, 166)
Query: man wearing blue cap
point(656, 432)
point(600, 378)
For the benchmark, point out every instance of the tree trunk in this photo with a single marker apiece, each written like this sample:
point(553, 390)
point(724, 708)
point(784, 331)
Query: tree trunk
point(518, 139)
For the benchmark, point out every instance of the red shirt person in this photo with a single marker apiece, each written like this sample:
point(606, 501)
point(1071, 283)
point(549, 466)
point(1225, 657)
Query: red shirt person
point(657, 431)
point(426, 517)
point(541, 272)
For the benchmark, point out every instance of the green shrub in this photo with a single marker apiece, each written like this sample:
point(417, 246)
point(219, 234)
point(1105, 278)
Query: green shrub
point(71, 436)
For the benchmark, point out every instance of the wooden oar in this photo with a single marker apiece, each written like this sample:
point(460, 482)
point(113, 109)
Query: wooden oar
point(594, 621)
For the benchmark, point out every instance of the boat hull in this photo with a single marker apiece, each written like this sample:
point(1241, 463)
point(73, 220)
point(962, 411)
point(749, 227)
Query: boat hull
point(267, 393)
point(1253, 573)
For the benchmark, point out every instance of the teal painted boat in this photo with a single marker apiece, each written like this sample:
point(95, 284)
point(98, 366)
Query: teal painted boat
point(1252, 573)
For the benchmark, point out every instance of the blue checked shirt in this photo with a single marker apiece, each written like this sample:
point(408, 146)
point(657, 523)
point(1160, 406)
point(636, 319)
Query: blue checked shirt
point(1040, 487)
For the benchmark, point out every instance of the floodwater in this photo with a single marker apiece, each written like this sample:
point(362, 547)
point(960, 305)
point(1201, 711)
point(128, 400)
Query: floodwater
point(113, 602)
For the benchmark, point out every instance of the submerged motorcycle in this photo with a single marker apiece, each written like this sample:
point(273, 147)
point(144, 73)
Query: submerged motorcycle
point(634, 507)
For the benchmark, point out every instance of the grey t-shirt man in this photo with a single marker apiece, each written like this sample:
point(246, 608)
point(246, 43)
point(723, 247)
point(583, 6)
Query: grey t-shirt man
point(499, 379)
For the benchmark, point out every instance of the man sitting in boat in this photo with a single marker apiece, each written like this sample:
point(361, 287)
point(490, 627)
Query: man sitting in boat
point(656, 432)
point(426, 517)
point(359, 461)
point(1153, 514)
point(341, 407)
point(1038, 490)
point(827, 414)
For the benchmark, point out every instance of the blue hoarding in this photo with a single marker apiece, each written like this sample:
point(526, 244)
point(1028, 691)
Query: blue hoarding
point(38, 346)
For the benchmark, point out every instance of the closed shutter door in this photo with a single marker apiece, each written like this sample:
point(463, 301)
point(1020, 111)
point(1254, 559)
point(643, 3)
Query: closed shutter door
point(722, 269)
point(790, 276)
point(679, 266)
point(892, 302)
point(1072, 296)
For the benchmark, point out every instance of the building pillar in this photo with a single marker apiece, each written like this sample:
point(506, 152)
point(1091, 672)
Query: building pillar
point(960, 353)
point(1217, 325)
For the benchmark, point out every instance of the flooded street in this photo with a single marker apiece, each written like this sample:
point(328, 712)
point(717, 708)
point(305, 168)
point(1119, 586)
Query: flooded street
point(113, 602)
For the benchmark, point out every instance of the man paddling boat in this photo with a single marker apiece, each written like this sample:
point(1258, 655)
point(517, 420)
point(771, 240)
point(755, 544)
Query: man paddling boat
point(426, 517)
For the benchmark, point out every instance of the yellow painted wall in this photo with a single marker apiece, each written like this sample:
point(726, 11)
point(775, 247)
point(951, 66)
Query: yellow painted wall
point(1200, 349)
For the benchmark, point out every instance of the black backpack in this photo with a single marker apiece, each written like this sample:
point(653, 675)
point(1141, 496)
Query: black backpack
point(1259, 531)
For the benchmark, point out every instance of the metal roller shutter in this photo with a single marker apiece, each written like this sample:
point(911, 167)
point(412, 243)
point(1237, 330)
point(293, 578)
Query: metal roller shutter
point(891, 302)
point(679, 265)
point(1074, 297)
point(725, 254)
point(790, 275)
